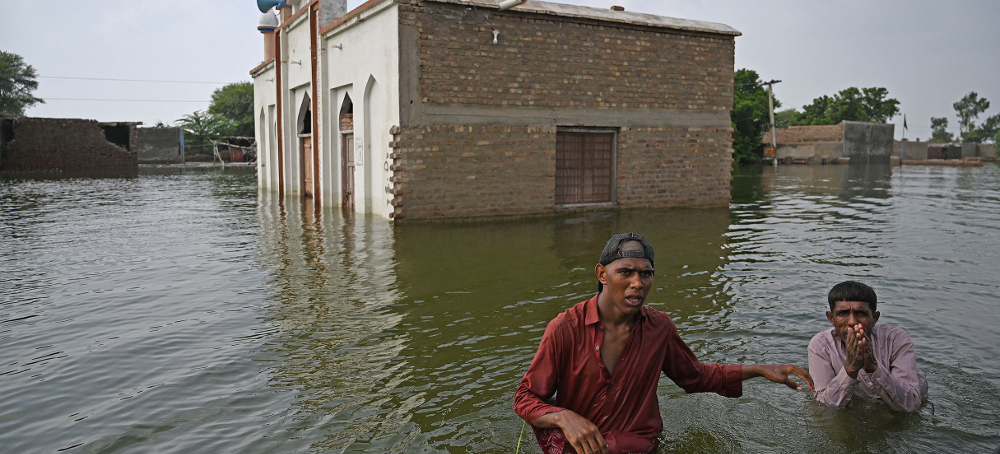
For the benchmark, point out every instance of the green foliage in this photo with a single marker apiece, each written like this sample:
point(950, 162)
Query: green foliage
point(235, 102)
point(940, 134)
point(203, 127)
point(750, 116)
point(17, 83)
point(996, 143)
point(878, 106)
point(787, 117)
point(968, 109)
point(990, 128)
point(851, 104)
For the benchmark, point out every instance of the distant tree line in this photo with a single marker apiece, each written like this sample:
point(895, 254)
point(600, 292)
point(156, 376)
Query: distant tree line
point(871, 105)
point(968, 109)
point(750, 116)
point(229, 114)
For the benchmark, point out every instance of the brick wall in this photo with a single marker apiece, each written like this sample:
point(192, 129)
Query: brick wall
point(452, 171)
point(552, 62)
point(37, 144)
point(674, 167)
point(548, 68)
point(803, 134)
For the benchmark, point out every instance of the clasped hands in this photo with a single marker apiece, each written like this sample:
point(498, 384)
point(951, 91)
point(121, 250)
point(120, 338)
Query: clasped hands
point(859, 351)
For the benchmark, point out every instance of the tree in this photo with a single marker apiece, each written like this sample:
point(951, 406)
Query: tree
point(787, 117)
point(940, 134)
point(996, 143)
point(990, 128)
point(235, 102)
point(17, 83)
point(968, 109)
point(878, 106)
point(851, 104)
point(750, 116)
point(204, 127)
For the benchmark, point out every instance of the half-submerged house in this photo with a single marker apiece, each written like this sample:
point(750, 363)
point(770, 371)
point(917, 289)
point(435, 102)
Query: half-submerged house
point(434, 109)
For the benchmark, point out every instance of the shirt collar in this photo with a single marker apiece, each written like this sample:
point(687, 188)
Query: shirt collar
point(591, 311)
point(592, 317)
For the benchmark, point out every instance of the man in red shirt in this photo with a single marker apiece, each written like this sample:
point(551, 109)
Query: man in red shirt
point(602, 359)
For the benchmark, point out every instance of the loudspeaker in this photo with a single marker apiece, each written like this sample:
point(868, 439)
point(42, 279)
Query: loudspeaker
point(266, 5)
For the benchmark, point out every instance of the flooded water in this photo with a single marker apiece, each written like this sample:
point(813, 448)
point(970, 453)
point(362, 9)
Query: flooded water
point(181, 312)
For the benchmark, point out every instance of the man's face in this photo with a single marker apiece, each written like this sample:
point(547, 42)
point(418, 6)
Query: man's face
point(847, 314)
point(627, 282)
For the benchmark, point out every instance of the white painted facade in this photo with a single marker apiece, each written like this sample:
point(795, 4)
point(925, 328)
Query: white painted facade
point(356, 60)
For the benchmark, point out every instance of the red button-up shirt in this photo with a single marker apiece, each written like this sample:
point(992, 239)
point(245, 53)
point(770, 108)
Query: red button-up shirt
point(623, 406)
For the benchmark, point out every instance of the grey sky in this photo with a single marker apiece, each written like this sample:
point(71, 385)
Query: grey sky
point(927, 53)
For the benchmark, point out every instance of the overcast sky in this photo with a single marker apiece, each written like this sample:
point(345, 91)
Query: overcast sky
point(927, 53)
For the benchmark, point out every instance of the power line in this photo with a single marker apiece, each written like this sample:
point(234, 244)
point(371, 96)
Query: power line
point(120, 100)
point(136, 80)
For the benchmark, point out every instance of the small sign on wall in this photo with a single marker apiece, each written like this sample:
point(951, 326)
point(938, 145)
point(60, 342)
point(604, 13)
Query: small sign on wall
point(359, 152)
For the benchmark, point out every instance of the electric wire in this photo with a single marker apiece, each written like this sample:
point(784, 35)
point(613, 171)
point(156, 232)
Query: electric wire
point(123, 100)
point(135, 80)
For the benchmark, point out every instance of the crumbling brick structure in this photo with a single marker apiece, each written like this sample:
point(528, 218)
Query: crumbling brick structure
point(47, 144)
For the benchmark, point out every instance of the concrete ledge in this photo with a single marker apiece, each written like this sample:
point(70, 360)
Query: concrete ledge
point(638, 118)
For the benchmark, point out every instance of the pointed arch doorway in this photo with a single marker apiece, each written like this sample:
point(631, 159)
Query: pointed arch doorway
point(306, 153)
point(347, 164)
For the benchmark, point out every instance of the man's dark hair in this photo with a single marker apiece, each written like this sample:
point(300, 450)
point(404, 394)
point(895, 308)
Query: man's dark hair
point(853, 291)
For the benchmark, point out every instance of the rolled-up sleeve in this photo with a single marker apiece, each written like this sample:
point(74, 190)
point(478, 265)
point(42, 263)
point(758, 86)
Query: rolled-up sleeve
point(833, 385)
point(682, 366)
point(539, 383)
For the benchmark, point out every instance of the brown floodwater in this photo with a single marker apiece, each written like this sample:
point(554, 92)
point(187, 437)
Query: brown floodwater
point(181, 311)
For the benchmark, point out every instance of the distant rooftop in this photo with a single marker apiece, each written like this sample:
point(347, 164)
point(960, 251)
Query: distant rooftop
point(607, 15)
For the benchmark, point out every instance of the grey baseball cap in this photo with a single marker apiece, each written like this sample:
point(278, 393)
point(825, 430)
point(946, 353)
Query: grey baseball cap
point(613, 251)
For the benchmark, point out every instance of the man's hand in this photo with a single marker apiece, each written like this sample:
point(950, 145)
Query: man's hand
point(779, 374)
point(854, 341)
point(865, 342)
point(582, 434)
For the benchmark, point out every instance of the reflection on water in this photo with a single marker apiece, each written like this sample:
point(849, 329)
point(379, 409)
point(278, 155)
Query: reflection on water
point(182, 311)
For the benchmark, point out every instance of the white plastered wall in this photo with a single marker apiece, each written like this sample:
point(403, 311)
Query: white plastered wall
point(361, 57)
point(298, 77)
point(264, 96)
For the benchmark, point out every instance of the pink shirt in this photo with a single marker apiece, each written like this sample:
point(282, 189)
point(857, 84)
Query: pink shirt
point(897, 381)
point(623, 406)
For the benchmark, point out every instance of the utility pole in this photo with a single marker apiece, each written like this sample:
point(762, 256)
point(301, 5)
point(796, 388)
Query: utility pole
point(770, 107)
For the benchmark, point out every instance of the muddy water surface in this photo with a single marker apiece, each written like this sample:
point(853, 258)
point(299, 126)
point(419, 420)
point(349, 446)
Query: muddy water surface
point(180, 311)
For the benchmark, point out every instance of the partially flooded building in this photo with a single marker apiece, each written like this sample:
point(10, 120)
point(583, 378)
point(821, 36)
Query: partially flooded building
point(439, 109)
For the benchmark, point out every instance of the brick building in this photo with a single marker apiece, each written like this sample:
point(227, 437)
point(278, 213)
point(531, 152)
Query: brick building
point(440, 109)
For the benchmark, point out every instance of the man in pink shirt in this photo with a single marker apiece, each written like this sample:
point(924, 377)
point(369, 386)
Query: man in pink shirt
point(859, 358)
point(602, 359)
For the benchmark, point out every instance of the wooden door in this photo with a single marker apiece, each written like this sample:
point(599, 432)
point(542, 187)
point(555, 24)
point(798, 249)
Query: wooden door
point(347, 171)
point(307, 166)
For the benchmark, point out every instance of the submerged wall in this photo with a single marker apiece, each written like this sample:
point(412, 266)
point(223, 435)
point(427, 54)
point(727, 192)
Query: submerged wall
point(863, 142)
point(868, 142)
point(161, 145)
point(44, 144)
